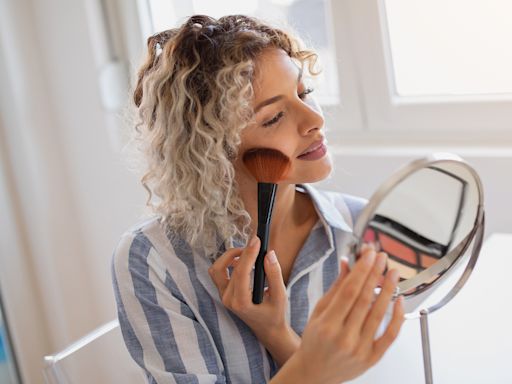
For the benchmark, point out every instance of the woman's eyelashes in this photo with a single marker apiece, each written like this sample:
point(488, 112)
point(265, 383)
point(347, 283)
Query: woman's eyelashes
point(305, 93)
point(279, 115)
point(274, 120)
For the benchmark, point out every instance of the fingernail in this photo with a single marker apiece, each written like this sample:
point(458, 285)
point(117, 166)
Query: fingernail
point(381, 260)
point(369, 245)
point(393, 275)
point(272, 257)
point(370, 257)
point(253, 241)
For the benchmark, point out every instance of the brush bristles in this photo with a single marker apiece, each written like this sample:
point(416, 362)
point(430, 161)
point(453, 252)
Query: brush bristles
point(267, 165)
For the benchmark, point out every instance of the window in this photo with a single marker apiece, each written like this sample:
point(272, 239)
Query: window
point(394, 70)
point(450, 48)
point(308, 17)
point(409, 94)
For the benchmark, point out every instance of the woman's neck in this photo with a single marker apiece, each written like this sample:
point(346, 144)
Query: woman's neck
point(290, 211)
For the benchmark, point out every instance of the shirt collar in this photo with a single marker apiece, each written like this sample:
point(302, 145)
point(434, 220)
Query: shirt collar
point(326, 208)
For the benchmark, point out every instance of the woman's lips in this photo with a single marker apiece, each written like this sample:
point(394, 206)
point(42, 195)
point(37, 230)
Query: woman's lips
point(313, 146)
point(316, 154)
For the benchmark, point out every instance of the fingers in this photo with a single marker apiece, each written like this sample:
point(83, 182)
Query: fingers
point(350, 288)
point(382, 344)
point(344, 267)
point(355, 319)
point(219, 270)
point(374, 318)
point(327, 297)
point(244, 260)
point(276, 288)
point(241, 274)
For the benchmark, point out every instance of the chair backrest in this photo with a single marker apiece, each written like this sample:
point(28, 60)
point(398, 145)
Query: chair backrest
point(99, 357)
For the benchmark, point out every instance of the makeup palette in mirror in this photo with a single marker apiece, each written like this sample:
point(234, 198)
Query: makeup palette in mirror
point(424, 217)
point(429, 218)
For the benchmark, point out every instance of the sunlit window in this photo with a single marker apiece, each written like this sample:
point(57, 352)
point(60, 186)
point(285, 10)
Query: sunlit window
point(308, 17)
point(450, 47)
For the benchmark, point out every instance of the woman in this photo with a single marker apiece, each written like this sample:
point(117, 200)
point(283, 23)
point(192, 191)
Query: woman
point(183, 279)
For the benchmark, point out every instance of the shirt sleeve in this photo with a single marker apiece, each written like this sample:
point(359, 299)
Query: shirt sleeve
point(159, 328)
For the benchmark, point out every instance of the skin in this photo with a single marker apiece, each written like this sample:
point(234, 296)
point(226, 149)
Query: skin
point(301, 125)
point(338, 341)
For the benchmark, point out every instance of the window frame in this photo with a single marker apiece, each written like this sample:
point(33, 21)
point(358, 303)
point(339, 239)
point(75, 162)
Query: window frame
point(370, 110)
point(476, 116)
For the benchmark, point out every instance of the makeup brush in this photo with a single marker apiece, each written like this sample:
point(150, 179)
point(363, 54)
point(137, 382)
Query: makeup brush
point(268, 166)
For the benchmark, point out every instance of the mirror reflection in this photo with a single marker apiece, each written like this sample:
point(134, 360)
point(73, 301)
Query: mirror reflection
point(424, 223)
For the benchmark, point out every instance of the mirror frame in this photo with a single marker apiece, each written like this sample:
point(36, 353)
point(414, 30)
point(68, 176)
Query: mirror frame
point(476, 233)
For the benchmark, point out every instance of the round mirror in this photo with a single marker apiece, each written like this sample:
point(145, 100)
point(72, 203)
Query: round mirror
point(425, 217)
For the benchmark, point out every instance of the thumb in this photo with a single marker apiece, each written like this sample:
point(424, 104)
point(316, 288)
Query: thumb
point(276, 286)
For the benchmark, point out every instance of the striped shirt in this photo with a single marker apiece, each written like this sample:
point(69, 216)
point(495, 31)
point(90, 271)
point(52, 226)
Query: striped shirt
point(171, 316)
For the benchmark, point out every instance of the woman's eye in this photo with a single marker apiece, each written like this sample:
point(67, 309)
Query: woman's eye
point(278, 117)
point(305, 92)
point(274, 120)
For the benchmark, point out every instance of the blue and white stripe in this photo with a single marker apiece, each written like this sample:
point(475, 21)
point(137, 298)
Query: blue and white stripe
point(173, 322)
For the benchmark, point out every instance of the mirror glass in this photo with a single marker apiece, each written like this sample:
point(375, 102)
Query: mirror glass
point(424, 218)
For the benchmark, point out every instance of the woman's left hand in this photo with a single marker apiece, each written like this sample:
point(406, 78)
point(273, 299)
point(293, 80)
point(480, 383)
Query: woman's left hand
point(267, 320)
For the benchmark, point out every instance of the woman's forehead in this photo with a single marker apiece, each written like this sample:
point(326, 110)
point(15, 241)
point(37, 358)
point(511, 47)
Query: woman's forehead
point(273, 68)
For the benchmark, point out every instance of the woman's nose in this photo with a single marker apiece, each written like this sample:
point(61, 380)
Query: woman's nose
point(309, 117)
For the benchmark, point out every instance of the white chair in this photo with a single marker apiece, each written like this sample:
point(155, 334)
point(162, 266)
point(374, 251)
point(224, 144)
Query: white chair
point(99, 357)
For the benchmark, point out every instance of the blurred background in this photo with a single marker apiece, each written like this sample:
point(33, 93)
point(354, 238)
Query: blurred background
point(402, 78)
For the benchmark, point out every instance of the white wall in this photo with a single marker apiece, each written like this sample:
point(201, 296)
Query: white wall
point(71, 195)
point(74, 194)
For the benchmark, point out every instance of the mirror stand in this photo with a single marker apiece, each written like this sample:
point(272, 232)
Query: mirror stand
point(426, 217)
point(425, 344)
point(425, 339)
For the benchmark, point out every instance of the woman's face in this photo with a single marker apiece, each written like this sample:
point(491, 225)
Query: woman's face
point(286, 118)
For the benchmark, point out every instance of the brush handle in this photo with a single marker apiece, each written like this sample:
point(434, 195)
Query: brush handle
point(266, 197)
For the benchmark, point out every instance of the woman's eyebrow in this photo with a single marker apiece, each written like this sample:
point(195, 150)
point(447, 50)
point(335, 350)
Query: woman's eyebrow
point(275, 98)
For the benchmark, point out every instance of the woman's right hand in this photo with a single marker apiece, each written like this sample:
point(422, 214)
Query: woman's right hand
point(338, 342)
point(267, 320)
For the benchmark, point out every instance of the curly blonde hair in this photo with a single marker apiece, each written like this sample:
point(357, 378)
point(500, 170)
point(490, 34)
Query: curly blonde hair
point(193, 96)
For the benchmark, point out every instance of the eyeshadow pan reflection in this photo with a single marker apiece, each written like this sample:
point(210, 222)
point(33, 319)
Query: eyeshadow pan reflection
point(369, 235)
point(399, 251)
point(427, 261)
point(408, 252)
point(405, 271)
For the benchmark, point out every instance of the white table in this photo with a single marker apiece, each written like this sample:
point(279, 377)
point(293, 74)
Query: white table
point(471, 337)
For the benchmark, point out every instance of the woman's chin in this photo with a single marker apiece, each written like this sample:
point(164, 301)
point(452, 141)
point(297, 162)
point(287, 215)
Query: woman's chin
point(313, 176)
point(303, 171)
point(318, 177)
point(322, 169)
